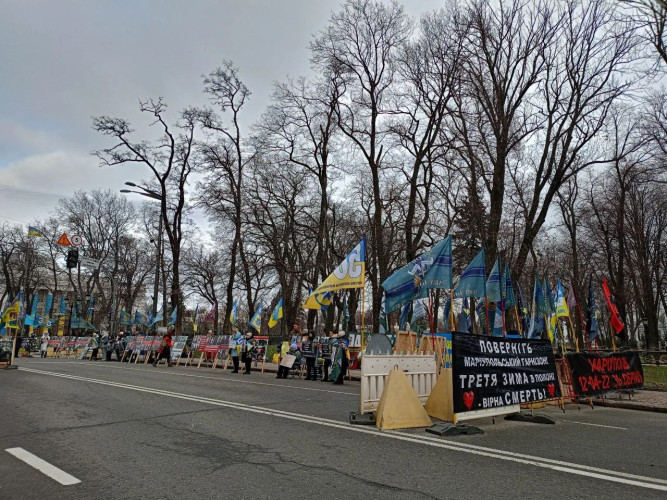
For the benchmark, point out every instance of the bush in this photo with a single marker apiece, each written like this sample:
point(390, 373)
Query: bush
point(270, 351)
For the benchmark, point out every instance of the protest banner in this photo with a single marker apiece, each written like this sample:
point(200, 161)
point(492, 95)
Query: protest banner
point(209, 349)
point(497, 372)
point(142, 346)
point(130, 344)
point(177, 348)
point(595, 373)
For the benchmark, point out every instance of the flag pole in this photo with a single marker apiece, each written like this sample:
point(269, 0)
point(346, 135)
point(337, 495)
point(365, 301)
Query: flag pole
point(581, 315)
point(488, 325)
point(611, 334)
point(562, 335)
point(574, 334)
point(430, 320)
point(502, 311)
point(518, 323)
point(451, 308)
point(363, 316)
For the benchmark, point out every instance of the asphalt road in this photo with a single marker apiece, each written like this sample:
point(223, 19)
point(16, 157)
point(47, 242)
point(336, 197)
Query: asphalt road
point(143, 432)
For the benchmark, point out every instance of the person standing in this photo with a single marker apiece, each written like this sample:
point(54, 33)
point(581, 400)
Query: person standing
point(325, 348)
point(105, 343)
point(164, 352)
point(234, 350)
point(341, 360)
point(95, 346)
point(44, 347)
point(296, 333)
point(309, 352)
point(246, 352)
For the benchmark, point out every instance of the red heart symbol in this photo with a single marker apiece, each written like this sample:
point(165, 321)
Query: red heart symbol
point(468, 398)
point(552, 389)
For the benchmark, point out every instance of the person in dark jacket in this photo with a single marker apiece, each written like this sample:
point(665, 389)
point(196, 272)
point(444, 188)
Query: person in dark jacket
point(246, 352)
point(341, 361)
point(309, 352)
point(325, 348)
point(164, 352)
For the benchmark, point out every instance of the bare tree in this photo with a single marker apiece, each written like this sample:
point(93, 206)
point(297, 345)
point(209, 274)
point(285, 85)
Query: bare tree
point(225, 158)
point(205, 272)
point(360, 44)
point(170, 161)
point(299, 128)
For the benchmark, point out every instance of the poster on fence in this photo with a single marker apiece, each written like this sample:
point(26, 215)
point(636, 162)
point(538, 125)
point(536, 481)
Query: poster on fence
point(492, 372)
point(179, 345)
point(595, 373)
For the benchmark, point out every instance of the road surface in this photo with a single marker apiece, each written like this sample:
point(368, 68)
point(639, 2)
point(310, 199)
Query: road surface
point(126, 432)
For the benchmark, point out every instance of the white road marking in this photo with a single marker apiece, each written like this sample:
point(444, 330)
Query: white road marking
point(595, 425)
point(221, 379)
point(43, 466)
point(546, 463)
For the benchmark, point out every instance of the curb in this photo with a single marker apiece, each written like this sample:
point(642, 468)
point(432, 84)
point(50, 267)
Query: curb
point(631, 406)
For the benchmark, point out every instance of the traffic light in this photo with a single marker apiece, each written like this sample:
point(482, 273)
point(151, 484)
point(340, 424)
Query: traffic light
point(72, 258)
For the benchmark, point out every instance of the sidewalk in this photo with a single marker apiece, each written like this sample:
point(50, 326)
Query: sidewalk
point(640, 400)
point(273, 368)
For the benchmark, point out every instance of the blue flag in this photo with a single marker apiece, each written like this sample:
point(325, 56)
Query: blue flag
point(256, 320)
point(432, 269)
point(493, 283)
point(63, 305)
point(139, 319)
point(510, 299)
point(446, 313)
point(91, 307)
point(464, 320)
point(35, 303)
point(48, 304)
point(232, 315)
point(539, 309)
point(591, 314)
point(405, 316)
point(173, 316)
point(473, 279)
point(418, 310)
point(480, 309)
point(497, 322)
point(157, 318)
point(125, 318)
point(383, 316)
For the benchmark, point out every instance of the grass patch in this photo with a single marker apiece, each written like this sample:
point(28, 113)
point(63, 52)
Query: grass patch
point(655, 376)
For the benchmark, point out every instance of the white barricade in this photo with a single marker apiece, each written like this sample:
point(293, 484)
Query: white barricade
point(420, 370)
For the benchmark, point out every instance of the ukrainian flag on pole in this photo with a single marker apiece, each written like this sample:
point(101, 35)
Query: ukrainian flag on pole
point(232, 315)
point(561, 304)
point(256, 321)
point(276, 314)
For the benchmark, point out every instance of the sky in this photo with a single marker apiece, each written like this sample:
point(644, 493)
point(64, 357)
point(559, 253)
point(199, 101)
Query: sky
point(64, 62)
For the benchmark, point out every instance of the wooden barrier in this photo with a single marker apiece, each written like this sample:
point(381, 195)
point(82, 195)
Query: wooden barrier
point(406, 343)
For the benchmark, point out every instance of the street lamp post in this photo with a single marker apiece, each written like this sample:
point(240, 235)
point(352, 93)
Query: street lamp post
point(155, 196)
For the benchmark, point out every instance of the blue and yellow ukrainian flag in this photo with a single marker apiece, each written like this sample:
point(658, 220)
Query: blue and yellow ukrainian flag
point(276, 314)
point(33, 231)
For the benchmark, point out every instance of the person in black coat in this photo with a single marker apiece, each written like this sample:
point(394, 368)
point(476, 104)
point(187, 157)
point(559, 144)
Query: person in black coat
point(309, 352)
point(325, 348)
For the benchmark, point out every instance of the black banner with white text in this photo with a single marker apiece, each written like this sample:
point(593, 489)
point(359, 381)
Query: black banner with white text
point(491, 372)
